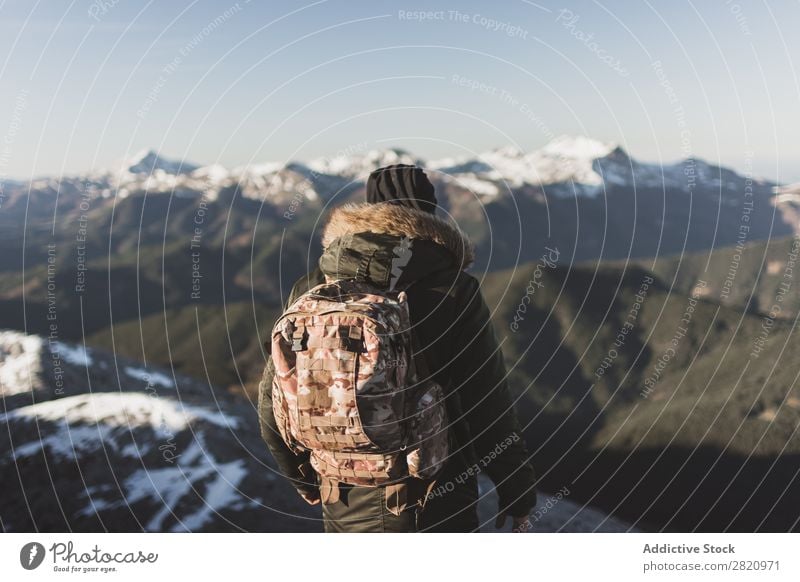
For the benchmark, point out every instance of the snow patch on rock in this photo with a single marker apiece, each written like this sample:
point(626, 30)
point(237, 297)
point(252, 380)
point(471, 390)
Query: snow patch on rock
point(72, 354)
point(149, 377)
point(20, 360)
point(115, 409)
point(197, 472)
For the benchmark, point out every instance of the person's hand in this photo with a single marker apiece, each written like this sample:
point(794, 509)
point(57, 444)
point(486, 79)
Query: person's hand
point(310, 497)
point(519, 523)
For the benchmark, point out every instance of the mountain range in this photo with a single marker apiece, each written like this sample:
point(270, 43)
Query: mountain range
point(566, 166)
point(589, 198)
point(186, 267)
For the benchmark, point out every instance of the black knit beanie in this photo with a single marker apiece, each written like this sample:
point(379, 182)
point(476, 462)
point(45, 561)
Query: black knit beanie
point(401, 184)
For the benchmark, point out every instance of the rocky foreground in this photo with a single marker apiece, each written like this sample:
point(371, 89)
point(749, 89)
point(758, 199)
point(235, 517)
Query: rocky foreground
point(96, 442)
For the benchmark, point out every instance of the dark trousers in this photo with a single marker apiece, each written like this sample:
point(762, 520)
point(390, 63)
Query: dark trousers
point(451, 508)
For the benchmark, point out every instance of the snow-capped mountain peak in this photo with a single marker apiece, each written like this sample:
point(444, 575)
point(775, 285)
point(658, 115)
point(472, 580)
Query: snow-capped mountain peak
point(214, 173)
point(565, 167)
point(569, 166)
point(566, 160)
point(148, 161)
point(358, 166)
point(578, 147)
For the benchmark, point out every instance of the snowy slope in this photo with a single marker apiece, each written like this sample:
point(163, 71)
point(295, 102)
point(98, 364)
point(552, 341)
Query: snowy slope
point(130, 448)
point(359, 165)
point(19, 361)
point(144, 450)
point(273, 181)
point(570, 166)
point(140, 437)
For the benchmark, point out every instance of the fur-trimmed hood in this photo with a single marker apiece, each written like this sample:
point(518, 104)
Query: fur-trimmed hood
point(398, 221)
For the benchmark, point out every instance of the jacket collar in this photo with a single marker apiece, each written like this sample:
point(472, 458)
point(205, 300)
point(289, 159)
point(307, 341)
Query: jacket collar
point(400, 221)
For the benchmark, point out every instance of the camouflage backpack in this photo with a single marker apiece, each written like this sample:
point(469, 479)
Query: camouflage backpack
point(347, 389)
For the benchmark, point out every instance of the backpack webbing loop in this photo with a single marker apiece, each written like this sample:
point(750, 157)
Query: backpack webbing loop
point(299, 338)
point(351, 338)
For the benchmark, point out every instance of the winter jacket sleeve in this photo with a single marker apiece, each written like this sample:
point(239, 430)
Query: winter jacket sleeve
point(479, 376)
point(293, 466)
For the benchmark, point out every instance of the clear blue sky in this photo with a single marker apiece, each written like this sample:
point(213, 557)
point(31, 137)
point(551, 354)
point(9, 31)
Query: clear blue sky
point(86, 82)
